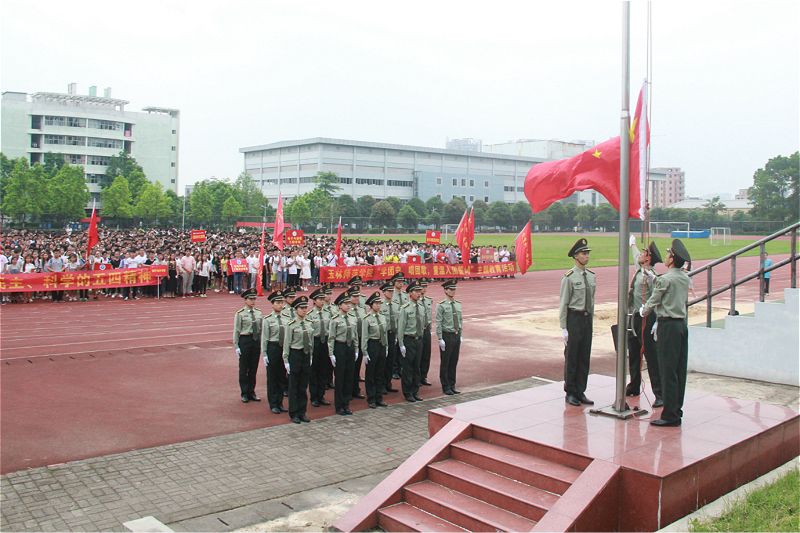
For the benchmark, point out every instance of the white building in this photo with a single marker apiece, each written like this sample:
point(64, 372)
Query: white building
point(88, 130)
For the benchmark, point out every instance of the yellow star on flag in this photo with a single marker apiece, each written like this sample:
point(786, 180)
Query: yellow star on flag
point(632, 130)
point(596, 153)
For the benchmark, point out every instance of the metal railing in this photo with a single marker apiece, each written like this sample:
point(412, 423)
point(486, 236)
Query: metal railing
point(761, 245)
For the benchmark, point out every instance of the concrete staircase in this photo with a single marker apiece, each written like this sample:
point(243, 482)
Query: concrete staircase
point(762, 347)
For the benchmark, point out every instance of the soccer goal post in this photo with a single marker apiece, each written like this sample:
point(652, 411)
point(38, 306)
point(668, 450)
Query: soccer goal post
point(667, 227)
point(720, 236)
point(447, 231)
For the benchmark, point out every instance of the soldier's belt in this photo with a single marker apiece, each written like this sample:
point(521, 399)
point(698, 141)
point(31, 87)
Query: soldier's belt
point(580, 313)
point(416, 337)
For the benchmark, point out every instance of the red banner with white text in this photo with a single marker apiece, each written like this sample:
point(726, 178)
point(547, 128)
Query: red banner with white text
point(82, 279)
point(426, 270)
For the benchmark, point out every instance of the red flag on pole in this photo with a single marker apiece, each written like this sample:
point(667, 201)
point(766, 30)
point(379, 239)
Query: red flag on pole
point(277, 236)
point(524, 249)
point(463, 237)
point(338, 250)
point(471, 225)
point(94, 237)
point(260, 275)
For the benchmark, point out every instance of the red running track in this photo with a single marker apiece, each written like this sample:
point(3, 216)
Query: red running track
point(80, 380)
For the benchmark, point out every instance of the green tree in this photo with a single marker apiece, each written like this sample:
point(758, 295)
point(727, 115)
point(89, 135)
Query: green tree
point(434, 218)
point(713, 208)
point(365, 204)
point(152, 203)
point(383, 214)
point(481, 209)
point(24, 192)
point(418, 206)
point(117, 201)
point(434, 203)
point(327, 182)
point(520, 214)
point(247, 192)
point(68, 193)
point(499, 214)
point(408, 217)
point(606, 216)
point(53, 163)
point(344, 206)
point(775, 189)
point(396, 203)
point(571, 211)
point(175, 202)
point(453, 211)
point(201, 203)
point(123, 164)
point(584, 216)
point(231, 208)
point(299, 212)
point(558, 214)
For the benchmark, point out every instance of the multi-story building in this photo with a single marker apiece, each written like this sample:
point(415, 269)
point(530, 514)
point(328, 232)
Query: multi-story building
point(465, 145)
point(88, 130)
point(382, 170)
point(667, 186)
point(743, 194)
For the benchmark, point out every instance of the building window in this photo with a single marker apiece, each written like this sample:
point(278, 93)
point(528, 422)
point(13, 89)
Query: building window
point(99, 160)
point(174, 132)
point(309, 179)
point(369, 181)
point(438, 181)
point(398, 183)
point(172, 180)
point(471, 198)
point(109, 125)
point(520, 189)
point(105, 143)
point(508, 188)
point(486, 199)
point(54, 139)
point(439, 196)
point(173, 148)
point(172, 164)
point(486, 184)
point(455, 182)
point(471, 183)
point(463, 182)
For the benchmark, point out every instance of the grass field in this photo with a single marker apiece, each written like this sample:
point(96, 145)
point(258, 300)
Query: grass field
point(550, 250)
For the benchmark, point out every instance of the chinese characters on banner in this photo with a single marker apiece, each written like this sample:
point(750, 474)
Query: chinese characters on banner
point(426, 270)
point(83, 279)
point(198, 235)
point(433, 236)
point(238, 265)
point(295, 237)
point(487, 255)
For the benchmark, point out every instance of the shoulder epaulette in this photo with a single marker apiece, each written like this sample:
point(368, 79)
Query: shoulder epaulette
point(590, 271)
point(240, 310)
point(405, 305)
point(568, 272)
point(291, 322)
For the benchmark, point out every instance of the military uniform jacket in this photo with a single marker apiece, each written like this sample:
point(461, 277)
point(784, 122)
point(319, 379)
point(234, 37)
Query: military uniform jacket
point(400, 298)
point(641, 288)
point(321, 320)
point(577, 293)
point(273, 329)
point(373, 327)
point(299, 336)
point(670, 294)
point(390, 311)
point(288, 313)
point(343, 329)
point(411, 320)
point(357, 313)
point(448, 317)
point(246, 323)
point(427, 302)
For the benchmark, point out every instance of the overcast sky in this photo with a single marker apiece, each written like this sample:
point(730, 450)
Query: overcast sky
point(725, 74)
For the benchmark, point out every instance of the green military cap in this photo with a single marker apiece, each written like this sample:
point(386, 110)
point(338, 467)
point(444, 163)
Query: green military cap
point(387, 287)
point(655, 255)
point(275, 296)
point(300, 302)
point(397, 275)
point(342, 298)
point(450, 284)
point(319, 293)
point(353, 292)
point(289, 292)
point(374, 297)
point(413, 285)
point(423, 282)
point(250, 293)
point(355, 280)
point(581, 245)
point(679, 250)
point(328, 289)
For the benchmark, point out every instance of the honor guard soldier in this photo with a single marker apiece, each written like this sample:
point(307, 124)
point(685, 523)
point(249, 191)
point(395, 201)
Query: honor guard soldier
point(332, 311)
point(289, 294)
point(342, 349)
point(669, 300)
point(356, 283)
point(390, 311)
point(410, 326)
point(374, 341)
point(357, 313)
point(297, 354)
point(273, 330)
point(449, 323)
point(320, 317)
point(640, 335)
point(575, 316)
point(246, 339)
point(400, 297)
point(425, 356)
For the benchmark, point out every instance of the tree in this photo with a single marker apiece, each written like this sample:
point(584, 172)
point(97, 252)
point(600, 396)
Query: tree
point(53, 163)
point(408, 217)
point(481, 209)
point(231, 208)
point(383, 214)
point(520, 214)
point(434, 218)
point(499, 214)
point(345, 207)
point(418, 206)
point(434, 203)
point(584, 216)
point(396, 203)
point(68, 193)
point(327, 182)
point(606, 216)
point(775, 189)
point(175, 202)
point(299, 212)
point(249, 196)
point(117, 201)
point(453, 211)
point(365, 204)
point(571, 210)
point(558, 214)
point(24, 192)
point(713, 208)
point(201, 203)
point(123, 164)
point(152, 202)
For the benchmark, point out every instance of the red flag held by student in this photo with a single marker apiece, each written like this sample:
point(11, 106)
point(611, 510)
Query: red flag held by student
point(471, 225)
point(338, 250)
point(463, 237)
point(524, 249)
point(277, 236)
point(260, 275)
point(94, 236)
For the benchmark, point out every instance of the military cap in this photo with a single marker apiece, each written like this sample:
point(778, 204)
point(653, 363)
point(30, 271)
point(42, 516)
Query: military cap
point(679, 250)
point(397, 275)
point(413, 285)
point(655, 255)
point(275, 296)
point(388, 286)
point(355, 280)
point(319, 293)
point(581, 245)
point(328, 289)
point(342, 298)
point(450, 284)
point(300, 302)
point(289, 292)
point(250, 293)
point(423, 282)
point(375, 297)
point(354, 291)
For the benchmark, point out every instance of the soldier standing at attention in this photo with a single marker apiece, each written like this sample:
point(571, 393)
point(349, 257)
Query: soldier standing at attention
point(399, 298)
point(410, 326)
point(342, 349)
point(390, 312)
point(320, 317)
point(357, 313)
point(575, 316)
point(332, 311)
point(669, 300)
point(642, 330)
point(425, 357)
point(297, 346)
point(246, 339)
point(374, 341)
point(273, 330)
point(356, 283)
point(289, 295)
point(449, 323)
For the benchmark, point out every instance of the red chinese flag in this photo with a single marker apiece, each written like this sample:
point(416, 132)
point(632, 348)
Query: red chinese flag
point(94, 236)
point(277, 236)
point(338, 250)
point(471, 225)
point(524, 249)
point(639, 136)
point(260, 275)
point(462, 237)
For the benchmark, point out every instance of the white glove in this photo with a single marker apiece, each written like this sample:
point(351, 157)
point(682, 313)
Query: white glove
point(654, 330)
point(565, 334)
point(238, 352)
point(333, 360)
point(650, 274)
point(403, 351)
point(641, 310)
point(366, 359)
point(266, 361)
point(356, 356)
point(286, 365)
point(441, 344)
point(632, 240)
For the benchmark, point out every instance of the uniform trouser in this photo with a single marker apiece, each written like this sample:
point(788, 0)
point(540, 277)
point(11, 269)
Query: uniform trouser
point(357, 370)
point(299, 370)
point(374, 376)
point(187, 278)
point(410, 366)
point(276, 375)
point(449, 360)
point(650, 355)
point(388, 365)
point(397, 360)
point(343, 390)
point(577, 351)
point(425, 355)
point(248, 364)
point(318, 381)
point(673, 356)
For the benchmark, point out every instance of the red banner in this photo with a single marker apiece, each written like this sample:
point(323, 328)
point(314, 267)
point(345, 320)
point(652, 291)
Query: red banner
point(198, 235)
point(433, 236)
point(487, 255)
point(238, 265)
point(427, 270)
point(295, 237)
point(102, 266)
point(82, 279)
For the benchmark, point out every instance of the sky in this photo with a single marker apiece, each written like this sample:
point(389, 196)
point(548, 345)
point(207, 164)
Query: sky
point(725, 75)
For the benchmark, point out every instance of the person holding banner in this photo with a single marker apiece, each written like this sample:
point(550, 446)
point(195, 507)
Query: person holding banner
point(246, 339)
point(449, 325)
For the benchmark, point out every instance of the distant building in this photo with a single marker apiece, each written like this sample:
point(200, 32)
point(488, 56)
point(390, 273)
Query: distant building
point(667, 186)
point(731, 206)
point(88, 130)
point(743, 194)
point(465, 145)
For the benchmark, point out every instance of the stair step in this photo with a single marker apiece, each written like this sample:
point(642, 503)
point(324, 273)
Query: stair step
point(462, 510)
point(405, 517)
point(515, 496)
point(529, 469)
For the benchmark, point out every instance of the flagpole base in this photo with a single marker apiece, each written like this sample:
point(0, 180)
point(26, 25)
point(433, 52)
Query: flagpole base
point(625, 414)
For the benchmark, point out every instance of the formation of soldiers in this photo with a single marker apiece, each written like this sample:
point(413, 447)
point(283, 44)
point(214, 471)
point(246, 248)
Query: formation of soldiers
point(311, 344)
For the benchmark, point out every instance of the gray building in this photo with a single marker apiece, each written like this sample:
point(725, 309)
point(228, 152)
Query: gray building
point(382, 170)
point(88, 130)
